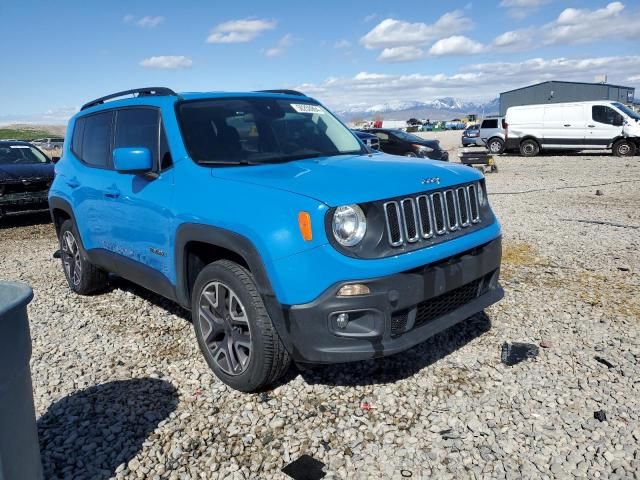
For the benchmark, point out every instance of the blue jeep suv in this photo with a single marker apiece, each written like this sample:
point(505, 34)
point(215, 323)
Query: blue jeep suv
point(272, 223)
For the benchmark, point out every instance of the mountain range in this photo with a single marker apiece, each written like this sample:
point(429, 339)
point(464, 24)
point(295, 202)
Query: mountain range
point(445, 108)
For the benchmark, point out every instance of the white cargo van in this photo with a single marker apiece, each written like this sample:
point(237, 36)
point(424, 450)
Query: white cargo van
point(573, 126)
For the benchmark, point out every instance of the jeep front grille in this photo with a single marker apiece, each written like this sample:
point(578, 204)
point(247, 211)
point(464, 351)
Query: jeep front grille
point(433, 214)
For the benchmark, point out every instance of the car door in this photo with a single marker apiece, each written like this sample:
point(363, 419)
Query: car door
point(140, 215)
point(564, 126)
point(604, 125)
point(88, 176)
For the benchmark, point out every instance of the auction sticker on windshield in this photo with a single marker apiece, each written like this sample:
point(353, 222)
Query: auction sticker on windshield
point(307, 108)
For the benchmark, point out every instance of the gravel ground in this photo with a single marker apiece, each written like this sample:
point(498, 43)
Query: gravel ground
point(122, 391)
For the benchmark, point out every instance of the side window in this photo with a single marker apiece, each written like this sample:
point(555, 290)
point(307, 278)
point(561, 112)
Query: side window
point(382, 136)
point(490, 124)
point(96, 144)
point(609, 116)
point(138, 127)
point(78, 131)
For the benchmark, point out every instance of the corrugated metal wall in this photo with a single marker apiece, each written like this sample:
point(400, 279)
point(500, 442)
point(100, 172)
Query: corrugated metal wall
point(557, 92)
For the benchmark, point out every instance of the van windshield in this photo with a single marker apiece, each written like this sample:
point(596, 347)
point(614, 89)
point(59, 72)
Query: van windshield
point(626, 110)
point(257, 130)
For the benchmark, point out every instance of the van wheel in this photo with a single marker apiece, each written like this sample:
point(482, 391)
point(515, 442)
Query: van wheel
point(529, 148)
point(624, 148)
point(495, 145)
point(234, 330)
point(82, 276)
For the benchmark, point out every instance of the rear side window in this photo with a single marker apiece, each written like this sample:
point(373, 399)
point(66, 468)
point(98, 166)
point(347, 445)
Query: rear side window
point(609, 116)
point(490, 123)
point(96, 139)
point(78, 131)
point(138, 127)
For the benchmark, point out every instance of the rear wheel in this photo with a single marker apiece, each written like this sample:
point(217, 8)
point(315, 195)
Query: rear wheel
point(234, 330)
point(82, 276)
point(495, 145)
point(410, 154)
point(529, 148)
point(624, 148)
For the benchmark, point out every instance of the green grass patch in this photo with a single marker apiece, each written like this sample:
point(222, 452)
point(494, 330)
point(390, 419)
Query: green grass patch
point(25, 134)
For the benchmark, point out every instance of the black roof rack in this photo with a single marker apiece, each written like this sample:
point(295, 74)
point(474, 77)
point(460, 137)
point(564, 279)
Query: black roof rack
point(141, 92)
point(284, 92)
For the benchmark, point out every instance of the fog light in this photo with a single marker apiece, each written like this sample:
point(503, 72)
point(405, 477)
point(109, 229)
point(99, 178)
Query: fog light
point(342, 320)
point(353, 290)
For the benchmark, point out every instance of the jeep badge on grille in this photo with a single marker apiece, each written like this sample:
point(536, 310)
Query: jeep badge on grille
point(431, 180)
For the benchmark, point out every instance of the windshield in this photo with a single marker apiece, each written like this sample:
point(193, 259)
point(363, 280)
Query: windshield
point(626, 110)
point(407, 136)
point(21, 154)
point(261, 130)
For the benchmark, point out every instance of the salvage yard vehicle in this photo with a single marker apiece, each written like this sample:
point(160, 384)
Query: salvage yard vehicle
point(397, 142)
point(492, 134)
point(263, 215)
point(595, 125)
point(471, 136)
point(369, 139)
point(26, 174)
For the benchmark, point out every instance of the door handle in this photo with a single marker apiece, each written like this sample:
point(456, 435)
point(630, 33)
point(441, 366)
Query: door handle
point(112, 193)
point(567, 124)
point(73, 182)
point(591, 126)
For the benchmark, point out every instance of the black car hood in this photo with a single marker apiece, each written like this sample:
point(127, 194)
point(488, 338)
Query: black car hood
point(13, 173)
point(433, 144)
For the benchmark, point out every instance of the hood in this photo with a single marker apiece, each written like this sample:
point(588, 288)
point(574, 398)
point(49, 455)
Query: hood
point(12, 173)
point(346, 179)
point(433, 144)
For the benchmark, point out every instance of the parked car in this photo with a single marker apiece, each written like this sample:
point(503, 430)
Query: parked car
point(492, 133)
point(26, 174)
point(471, 136)
point(397, 142)
point(267, 218)
point(49, 143)
point(574, 126)
point(369, 139)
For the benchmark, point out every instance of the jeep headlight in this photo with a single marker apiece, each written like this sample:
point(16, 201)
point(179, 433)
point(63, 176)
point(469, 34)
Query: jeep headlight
point(349, 225)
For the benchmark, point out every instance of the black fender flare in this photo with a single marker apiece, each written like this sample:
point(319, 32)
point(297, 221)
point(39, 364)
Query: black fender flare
point(240, 245)
point(57, 203)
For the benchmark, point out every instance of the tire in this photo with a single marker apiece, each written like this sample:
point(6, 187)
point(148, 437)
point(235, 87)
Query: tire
point(624, 148)
point(495, 145)
point(410, 154)
point(83, 277)
point(238, 339)
point(529, 148)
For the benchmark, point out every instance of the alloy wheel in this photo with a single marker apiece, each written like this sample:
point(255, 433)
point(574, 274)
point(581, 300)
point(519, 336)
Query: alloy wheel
point(624, 149)
point(71, 258)
point(225, 328)
point(495, 147)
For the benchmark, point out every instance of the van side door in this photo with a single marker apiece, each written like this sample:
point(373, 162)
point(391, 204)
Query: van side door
point(603, 126)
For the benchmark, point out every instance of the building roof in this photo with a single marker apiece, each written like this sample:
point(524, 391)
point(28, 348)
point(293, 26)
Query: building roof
point(572, 83)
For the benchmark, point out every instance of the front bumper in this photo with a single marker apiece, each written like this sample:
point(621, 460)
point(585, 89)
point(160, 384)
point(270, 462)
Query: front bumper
point(401, 311)
point(23, 200)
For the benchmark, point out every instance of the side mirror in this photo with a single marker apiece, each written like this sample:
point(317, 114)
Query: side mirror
point(132, 160)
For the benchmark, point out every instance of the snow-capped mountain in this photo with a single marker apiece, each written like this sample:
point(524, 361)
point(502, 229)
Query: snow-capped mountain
point(437, 109)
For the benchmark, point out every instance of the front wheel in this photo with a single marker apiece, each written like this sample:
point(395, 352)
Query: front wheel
point(410, 154)
point(82, 276)
point(529, 148)
point(495, 145)
point(624, 148)
point(234, 330)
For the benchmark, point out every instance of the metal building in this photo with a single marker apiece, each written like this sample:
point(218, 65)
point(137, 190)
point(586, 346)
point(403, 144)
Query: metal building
point(557, 92)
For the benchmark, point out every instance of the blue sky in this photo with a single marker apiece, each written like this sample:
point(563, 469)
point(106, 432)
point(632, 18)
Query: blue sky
point(57, 56)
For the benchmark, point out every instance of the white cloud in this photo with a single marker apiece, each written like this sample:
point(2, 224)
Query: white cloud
point(575, 25)
point(634, 78)
point(150, 22)
point(369, 18)
point(239, 31)
point(167, 62)
point(342, 44)
point(477, 81)
point(283, 44)
point(147, 21)
point(400, 54)
point(456, 45)
point(397, 33)
point(514, 40)
point(520, 9)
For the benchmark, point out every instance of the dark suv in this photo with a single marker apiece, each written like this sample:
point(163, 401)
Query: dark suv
point(397, 142)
